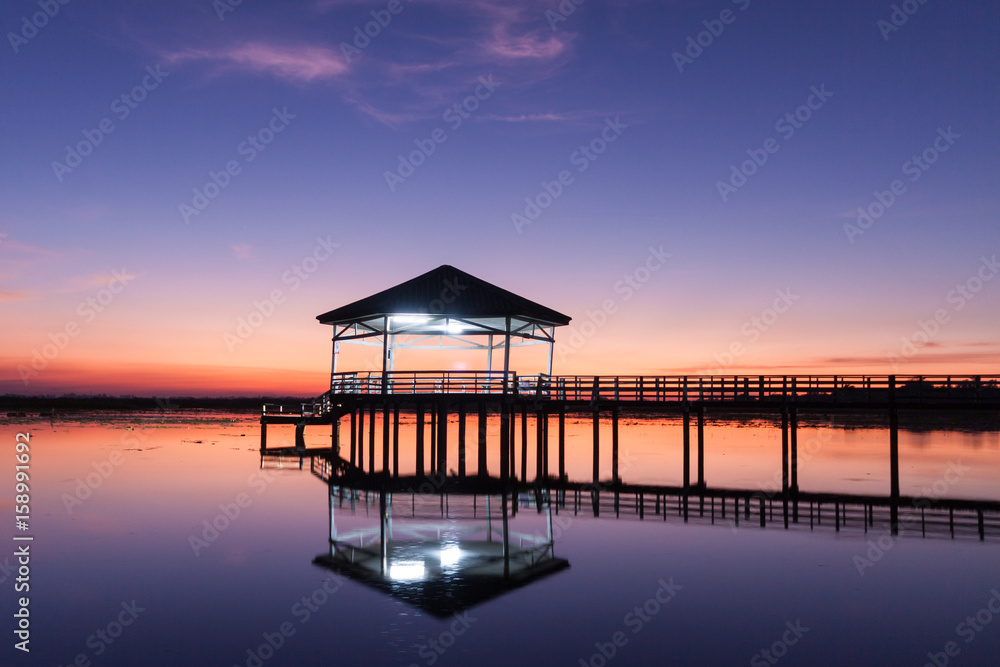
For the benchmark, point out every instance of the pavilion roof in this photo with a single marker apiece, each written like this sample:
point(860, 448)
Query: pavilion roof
point(445, 292)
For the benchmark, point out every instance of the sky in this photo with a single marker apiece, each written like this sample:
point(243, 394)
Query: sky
point(732, 186)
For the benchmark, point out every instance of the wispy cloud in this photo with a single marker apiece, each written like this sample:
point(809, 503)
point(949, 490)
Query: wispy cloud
point(295, 63)
point(20, 295)
point(243, 251)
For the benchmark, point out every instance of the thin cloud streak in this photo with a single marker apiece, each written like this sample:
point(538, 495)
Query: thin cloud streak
point(296, 63)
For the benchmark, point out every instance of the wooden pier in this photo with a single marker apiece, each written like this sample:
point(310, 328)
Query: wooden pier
point(433, 396)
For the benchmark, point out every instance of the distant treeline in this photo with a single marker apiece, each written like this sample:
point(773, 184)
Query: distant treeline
point(37, 405)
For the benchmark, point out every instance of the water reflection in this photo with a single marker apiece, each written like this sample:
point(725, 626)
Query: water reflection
point(443, 553)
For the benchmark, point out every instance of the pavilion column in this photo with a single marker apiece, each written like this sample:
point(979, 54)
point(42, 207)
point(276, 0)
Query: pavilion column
point(385, 354)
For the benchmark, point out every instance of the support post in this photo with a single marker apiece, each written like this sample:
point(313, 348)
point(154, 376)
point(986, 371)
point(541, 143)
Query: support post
point(784, 450)
point(795, 449)
point(442, 439)
point(597, 445)
point(539, 446)
point(615, 479)
point(385, 438)
point(371, 436)
point(354, 434)
point(701, 446)
point(395, 439)
point(461, 439)
point(420, 439)
point(562, 442)
point(524, 442)
point(361, 436)
point(483, 471)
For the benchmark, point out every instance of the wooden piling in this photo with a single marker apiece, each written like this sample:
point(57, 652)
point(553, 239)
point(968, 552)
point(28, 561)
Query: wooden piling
point(784, 450)
point(701, 446)
point(361, 436)
point(597, 445)
point(524, 442)
point(615, 479)
point(443, 439)
point(395, 439)
point(562, 442)
point(539, 446)
point(371, 436)
point(354, 435)
point(482, 467)
point(461, 439)
point(420, 439)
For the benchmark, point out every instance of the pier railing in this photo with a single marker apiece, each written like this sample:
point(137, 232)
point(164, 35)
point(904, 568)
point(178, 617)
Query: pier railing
point(848, 389)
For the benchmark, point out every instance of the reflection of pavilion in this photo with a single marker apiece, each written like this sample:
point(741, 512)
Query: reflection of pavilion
point(441, 552)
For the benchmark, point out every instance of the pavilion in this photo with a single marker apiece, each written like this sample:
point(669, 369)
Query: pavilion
point(446, 309)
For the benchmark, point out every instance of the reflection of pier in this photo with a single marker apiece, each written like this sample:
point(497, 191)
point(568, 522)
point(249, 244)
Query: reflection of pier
point(975, 519)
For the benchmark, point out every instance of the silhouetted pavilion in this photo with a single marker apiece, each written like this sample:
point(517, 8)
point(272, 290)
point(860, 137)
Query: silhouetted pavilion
point(446, 309)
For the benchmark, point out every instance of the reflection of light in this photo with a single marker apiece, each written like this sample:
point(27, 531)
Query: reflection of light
point(450, 556)
point(455, 327)
point(407, 570)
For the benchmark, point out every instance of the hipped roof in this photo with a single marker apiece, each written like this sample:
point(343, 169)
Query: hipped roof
point(445, 292)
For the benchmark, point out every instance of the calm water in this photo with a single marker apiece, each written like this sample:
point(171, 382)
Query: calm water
point(650, 592)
